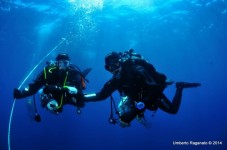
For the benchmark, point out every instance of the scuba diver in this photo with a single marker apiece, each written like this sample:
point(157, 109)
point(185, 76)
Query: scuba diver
point(59, 83)
point(140, 86)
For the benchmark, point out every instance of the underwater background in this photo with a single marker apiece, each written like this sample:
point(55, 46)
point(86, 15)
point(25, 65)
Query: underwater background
point(184, 39)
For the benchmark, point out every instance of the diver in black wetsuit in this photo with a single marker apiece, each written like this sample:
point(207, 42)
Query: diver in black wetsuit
point(61, 83)
point(140, 86)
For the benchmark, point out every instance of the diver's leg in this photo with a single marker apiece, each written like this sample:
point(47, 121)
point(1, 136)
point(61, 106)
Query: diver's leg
point(176, 101)
point(172, 108)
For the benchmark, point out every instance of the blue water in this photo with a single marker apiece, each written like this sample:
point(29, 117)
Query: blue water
point(185, 39)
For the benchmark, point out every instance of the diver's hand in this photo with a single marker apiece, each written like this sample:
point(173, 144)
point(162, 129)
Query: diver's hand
point(71, 90)
point(17, 94)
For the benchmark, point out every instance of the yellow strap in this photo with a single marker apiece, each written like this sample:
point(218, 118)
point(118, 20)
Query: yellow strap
point(45, 75)
point(50, 70)
point(66, 78)
point(63, 93)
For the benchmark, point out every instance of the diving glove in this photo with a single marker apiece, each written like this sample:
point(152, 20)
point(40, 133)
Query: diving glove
point(17, 94)
point(71, 90)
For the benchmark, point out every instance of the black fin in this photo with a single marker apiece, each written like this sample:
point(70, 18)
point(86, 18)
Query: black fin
point(187, 85)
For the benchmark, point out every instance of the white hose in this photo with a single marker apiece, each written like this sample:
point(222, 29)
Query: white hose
point(29, 74)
